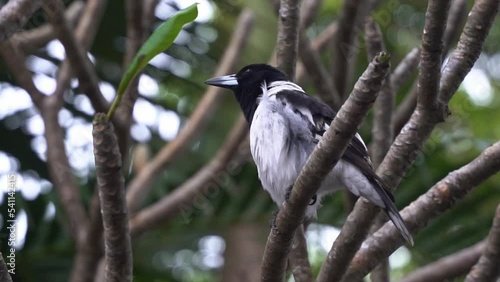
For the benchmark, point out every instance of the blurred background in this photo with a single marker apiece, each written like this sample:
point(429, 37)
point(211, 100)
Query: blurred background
point(198, 245)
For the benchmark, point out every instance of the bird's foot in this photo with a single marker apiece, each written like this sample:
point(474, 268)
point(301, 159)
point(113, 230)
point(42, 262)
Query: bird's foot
point(288, 192)
point(314, 199)
point(272, 221)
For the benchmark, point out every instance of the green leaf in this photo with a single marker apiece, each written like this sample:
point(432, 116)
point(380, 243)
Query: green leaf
point(160, 40)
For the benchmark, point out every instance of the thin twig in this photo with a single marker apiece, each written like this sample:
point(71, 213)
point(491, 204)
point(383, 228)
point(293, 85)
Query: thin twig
point(138, 189)
point(440, 198)
point(85, 34)
point(181, 199)
point(487, 268)
point(317, 45)
point(317, 73)
point(80, 63)
point(14, 15)
point(382, 131)
point(449, 267)
point(430, 56)
point(405, 69)
point(288, 36)
point(111, 186)
point(343, 44)
point(4, 271)
point(319, 164)
point(469, 46)
point(136, 35)
point(30, 40)
point(61, 172)
point(308, 12)
point(91, 249)
point(19, 71)
point(456, 18)
point(405, 109)
point(299, 259)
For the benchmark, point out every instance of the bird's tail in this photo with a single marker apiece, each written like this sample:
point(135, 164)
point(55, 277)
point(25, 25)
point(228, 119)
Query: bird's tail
point(395, 217)
point(391, 210)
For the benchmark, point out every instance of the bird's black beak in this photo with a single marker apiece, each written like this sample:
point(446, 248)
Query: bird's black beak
point(227, 81)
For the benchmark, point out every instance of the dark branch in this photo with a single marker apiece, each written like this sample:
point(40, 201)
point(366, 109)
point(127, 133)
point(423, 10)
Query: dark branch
point(409, 142)
point(111, 186)
point(487, 267)
point(440, 198)
point(382, 130)
point(181, 199)
point(14, 15)
point(432, 50)
point(288, 36)
point(85, 34)
point(318, 74)
point(299, 259)
point(77, 56)
point(4, 271)
point(456, 18)
point(319, 164)
point(343, 44)
point(469, 47)
point(447, 268)
point(405, 69)
point(30, 40)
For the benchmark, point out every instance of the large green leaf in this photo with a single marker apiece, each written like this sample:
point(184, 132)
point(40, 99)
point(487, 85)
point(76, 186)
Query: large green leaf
point(160, 40)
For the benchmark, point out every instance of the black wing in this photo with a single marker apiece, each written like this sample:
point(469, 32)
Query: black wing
point(322, 116)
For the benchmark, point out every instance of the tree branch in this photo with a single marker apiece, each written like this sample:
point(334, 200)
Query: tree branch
point(405, 109)
point(4, 271)
point(14, 15)
point(343, 44)
point(299, 259)
point(85, 34)
point(181, 199)
point(308, 12)
point(19, 71)
point(456, 17)
point(59, 169)
point(319, 164)
point(318, 74)
point(136, 35)
point(403, 72)
point(409, 142)
point(140, 185)
point(80, 63)
point(447, 268)
point(382, 131)
point(440, 198)
point(430, 56)
point(90, 250)
point(288, 38)
point(317, 45)
point(30, 40)
point(111, 186)
point(487, 268)
point(469, 47)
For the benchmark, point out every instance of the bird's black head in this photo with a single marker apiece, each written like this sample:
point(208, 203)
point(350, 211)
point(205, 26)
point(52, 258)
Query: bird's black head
point(247, 84)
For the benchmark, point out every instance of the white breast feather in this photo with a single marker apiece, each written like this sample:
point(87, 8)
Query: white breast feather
point(278, 165)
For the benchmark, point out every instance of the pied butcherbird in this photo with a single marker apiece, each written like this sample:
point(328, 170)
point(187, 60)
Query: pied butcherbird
point(285, 126)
